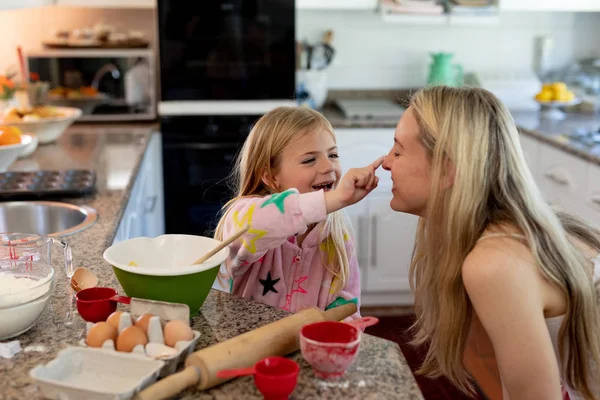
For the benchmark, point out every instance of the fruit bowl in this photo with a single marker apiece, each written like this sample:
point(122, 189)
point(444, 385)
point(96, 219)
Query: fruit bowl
point(47, 129)
point(10, 152)
point(553, 111)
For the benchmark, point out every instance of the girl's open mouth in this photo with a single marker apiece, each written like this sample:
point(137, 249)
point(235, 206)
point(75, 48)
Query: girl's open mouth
point(324, 186)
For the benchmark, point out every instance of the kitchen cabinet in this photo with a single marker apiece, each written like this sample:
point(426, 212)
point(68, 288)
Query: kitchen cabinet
point(336, 4)
point(591, 200)
point(566, 179)
point(391, 243)
point(385, 238)
point(107, 3)
point(144, 213)
point(563, 177)
point(550, 5)
point(12, 4)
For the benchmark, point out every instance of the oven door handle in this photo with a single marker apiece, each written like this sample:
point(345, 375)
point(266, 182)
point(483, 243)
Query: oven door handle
point(201, 146)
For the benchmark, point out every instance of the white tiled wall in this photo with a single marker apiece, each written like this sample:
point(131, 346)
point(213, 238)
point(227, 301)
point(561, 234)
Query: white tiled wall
point(372, 54)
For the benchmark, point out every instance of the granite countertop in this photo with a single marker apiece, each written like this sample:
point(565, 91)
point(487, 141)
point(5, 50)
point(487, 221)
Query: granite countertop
point(115, 152)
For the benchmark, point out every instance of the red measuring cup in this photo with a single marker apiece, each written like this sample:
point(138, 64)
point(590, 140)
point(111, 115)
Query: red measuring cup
point(97, 303)
point(275, 377)
point(330, 347)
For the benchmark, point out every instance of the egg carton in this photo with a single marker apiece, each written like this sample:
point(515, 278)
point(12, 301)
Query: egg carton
point(74, 373)
point(156, 348)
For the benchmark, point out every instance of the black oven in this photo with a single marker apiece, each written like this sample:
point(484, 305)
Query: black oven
point(226, 50)
point(223, 63)
point(198, 156)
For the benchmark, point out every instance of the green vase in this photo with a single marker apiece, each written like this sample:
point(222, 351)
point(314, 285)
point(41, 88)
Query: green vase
point(443, 72)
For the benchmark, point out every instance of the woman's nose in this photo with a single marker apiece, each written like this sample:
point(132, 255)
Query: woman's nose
point(386, 163)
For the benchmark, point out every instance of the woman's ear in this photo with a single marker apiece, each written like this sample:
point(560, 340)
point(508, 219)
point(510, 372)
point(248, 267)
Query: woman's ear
point(449, 175)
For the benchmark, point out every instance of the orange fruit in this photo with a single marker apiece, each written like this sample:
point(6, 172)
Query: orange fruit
point(9, 135)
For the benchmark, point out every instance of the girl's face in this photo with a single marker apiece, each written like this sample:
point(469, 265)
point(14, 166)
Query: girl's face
point(310, 163)
point(410, 168)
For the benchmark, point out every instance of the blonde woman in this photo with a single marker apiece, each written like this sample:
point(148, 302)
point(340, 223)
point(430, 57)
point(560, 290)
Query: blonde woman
point(298, 252)
point(490, 252)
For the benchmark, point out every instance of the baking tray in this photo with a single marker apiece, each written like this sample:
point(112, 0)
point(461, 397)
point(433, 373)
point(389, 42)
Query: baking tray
point(63, 183)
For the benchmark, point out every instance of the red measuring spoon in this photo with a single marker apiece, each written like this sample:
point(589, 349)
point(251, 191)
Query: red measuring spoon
point(97, 303)
point(275, 377)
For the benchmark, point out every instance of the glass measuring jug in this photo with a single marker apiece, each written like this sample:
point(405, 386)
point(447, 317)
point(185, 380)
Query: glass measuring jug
point(28, 254)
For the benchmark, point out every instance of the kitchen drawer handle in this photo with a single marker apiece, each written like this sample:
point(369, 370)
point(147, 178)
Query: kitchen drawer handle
point(557, 179)
point(151, 204)
point(374, 241)
point(361, 247)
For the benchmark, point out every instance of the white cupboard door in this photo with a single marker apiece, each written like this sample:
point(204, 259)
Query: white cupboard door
point(531, 149)
point(592, 197)
point(357, 217)
point(358, 148)
point(391, 243)
point(563, 178)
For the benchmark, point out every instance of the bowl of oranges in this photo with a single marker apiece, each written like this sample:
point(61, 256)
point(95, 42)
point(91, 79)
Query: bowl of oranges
point(48, 123)
point(12, 144)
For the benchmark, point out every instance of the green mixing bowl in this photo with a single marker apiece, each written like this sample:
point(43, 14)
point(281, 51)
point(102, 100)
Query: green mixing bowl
point(158, 268)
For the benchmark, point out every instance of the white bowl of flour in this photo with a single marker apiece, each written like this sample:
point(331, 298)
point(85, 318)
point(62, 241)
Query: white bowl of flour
point(23, 297)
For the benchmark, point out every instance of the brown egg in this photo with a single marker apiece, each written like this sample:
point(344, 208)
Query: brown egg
point(131, 337)
point(114, 319)
point(176, 331)
point(99, 333)
point(143, 321)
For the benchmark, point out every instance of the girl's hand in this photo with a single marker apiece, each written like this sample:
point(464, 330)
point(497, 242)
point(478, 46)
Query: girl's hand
point(354, 186)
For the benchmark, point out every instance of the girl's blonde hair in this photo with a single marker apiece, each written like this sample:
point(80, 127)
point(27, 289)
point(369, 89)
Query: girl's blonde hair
point(471, 130)
point(261, 153)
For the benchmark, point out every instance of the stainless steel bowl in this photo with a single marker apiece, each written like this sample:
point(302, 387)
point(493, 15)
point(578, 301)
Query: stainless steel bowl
point(49, 218)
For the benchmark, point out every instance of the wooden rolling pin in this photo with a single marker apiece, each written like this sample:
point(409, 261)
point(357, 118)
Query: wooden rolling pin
point(278, 338)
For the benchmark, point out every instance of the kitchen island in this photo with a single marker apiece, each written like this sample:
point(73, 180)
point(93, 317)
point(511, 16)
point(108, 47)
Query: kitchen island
point(115, 153)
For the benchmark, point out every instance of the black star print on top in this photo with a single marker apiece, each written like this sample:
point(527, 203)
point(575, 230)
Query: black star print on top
point(269, 284)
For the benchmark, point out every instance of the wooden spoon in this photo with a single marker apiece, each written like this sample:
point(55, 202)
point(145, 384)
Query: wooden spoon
point(83, 278)
point(221, 245)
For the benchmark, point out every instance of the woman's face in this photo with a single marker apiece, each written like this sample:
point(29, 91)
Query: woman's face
point(410, 167)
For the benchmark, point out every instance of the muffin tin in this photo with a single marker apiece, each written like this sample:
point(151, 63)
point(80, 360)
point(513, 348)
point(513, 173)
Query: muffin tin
point(66, 183)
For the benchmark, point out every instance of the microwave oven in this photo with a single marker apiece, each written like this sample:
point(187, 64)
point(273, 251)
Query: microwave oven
point(107, 85)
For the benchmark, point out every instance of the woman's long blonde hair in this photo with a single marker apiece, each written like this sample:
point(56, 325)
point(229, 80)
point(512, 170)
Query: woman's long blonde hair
point(471, 130)
point(270, 136)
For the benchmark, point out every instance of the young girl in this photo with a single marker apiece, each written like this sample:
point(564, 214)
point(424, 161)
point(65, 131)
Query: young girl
point(493, 262)
point(298, 252)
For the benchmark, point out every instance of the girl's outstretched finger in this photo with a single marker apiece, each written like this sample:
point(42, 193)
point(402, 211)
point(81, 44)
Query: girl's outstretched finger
point(377, 163)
